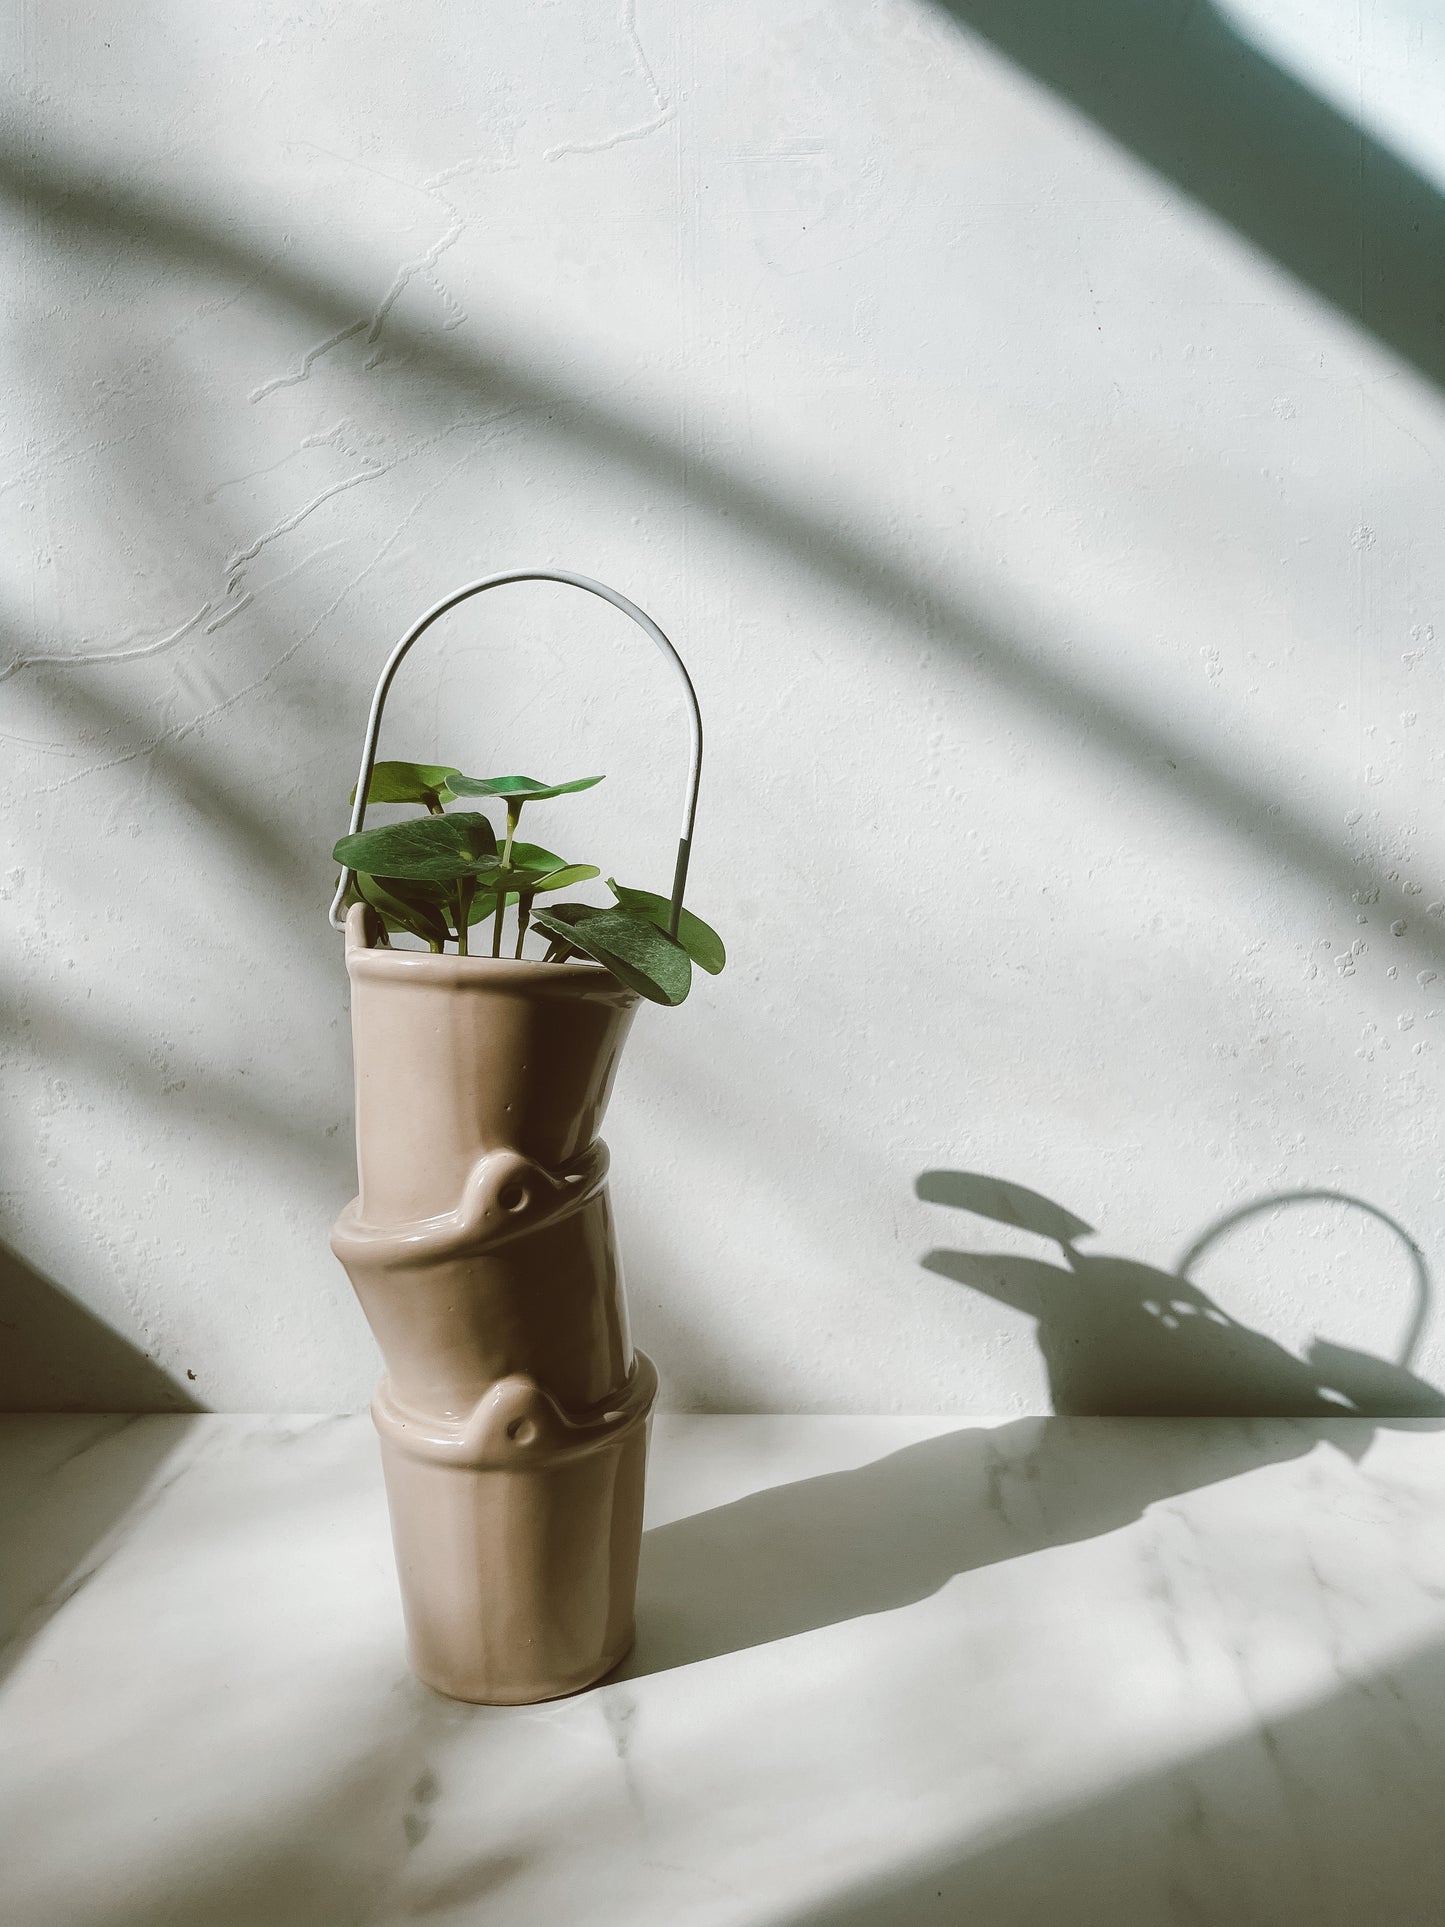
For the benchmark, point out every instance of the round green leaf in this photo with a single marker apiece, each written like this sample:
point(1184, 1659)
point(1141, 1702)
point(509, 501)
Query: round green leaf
point(408, 783)
point(636, 952)
point(520, 789)
point(531, 856)
point(435, 849)
point(701, 942)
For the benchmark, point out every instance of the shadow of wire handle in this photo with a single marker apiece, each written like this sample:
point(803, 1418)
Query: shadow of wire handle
point(1414, 1331)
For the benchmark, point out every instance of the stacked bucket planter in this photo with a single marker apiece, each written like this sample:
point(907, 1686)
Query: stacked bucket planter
point(513, 1416)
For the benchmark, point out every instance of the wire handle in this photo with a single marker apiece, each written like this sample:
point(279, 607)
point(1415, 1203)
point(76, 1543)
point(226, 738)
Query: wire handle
point(438, 609)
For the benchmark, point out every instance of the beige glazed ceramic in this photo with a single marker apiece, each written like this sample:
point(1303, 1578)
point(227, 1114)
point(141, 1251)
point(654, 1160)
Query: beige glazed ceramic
point(514, 1412)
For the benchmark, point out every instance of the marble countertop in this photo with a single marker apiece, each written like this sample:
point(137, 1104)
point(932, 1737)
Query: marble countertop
point(1112, 1672)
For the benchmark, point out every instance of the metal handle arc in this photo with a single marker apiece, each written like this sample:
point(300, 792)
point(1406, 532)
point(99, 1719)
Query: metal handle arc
point(439, 609)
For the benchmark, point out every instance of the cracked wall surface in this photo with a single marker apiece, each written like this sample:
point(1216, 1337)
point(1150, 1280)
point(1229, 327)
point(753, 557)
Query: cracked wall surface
point(1060, 577)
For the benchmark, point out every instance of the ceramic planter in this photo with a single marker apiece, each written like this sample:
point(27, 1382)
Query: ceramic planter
point(513, 1416)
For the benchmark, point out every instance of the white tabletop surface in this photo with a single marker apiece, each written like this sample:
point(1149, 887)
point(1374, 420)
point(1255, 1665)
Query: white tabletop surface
point(1121, 1672)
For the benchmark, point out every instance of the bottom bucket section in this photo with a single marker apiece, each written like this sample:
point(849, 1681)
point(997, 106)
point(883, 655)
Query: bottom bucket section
point(519, 1573)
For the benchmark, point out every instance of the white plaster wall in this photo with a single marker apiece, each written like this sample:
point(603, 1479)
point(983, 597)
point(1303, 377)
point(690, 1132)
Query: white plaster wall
point(1061, 578)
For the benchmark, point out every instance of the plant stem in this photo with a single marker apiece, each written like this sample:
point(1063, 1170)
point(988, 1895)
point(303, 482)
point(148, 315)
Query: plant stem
point(514, 814)
point(466, 890)
point(524, 912)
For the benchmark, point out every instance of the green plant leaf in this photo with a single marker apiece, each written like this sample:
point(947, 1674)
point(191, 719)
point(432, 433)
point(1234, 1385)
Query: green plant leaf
point(402, 907)
point(436, 849)
point(394, 912)
point(520, 789)
point(636, 952)
point(701, 942)
point(426, 896)
point(531, 856)
point(484, 904)
point(408, 783)
point(560, 879)
point(531, 882)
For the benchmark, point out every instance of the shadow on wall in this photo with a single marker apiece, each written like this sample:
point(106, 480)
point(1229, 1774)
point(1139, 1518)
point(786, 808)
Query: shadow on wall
point(1177, 84)
point(1170, 79)
point(55, 1356)
point(1124, 1339)
point(444, 381)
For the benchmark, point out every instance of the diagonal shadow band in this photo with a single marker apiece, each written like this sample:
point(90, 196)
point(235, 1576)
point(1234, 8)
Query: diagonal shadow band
point(57, 1356)
point(1323, 1816)
point(80, 210)
point(1175, 83)
point(795, 1558)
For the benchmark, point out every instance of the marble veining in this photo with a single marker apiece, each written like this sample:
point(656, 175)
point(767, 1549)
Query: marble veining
point(1131, 1672)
